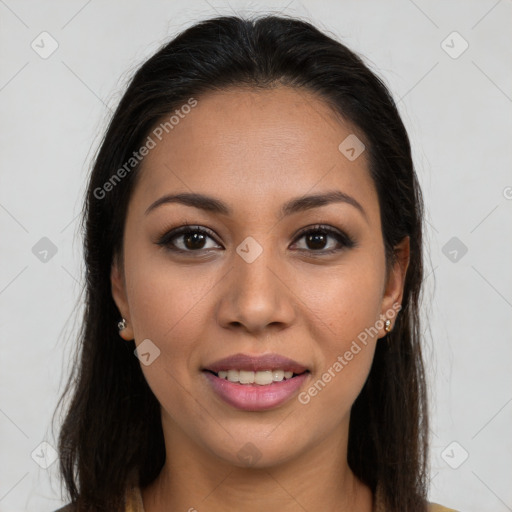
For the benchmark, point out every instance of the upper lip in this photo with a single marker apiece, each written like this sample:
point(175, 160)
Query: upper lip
point(256, 363)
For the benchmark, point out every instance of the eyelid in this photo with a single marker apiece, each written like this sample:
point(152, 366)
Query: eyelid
point(345, 240)
point(165, 239)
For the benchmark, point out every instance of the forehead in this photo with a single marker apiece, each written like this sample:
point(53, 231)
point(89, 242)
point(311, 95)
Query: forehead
point(255, 145)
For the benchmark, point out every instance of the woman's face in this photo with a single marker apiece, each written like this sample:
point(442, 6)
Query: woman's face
point(266, 269)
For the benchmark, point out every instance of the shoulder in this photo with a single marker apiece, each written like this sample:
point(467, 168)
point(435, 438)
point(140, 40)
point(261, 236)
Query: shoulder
point(434, 507)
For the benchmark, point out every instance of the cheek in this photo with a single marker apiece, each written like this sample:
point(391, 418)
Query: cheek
point(167, 306)
point(348, 303)
point(164, 297)
point(346, 299)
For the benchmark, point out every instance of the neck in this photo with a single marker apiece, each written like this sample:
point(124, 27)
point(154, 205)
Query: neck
point(193, 479)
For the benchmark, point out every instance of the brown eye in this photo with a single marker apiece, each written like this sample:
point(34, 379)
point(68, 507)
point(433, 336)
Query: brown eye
point(317, 239)
point(194, 240)
point(187, 239)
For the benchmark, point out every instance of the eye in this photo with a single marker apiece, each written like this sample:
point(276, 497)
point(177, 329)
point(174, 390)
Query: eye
point(317, 240)
point(187, 239)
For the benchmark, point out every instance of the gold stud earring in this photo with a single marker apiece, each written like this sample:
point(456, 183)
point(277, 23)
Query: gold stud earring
point(387, 326)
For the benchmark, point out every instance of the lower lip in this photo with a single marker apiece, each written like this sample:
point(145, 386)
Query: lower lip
point(253, 397)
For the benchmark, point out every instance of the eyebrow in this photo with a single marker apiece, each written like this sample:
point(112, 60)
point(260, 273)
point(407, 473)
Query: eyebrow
point(299, 204)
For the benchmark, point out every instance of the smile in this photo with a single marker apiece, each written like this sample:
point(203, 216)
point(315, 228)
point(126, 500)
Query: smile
point(255, 382)
point(255, 397)
point(262, 378)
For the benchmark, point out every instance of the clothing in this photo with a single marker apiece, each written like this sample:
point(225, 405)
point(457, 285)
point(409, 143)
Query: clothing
point(134, 503)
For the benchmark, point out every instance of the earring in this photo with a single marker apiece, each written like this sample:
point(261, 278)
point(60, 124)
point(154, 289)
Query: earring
point(121, 325)
point(387, 326)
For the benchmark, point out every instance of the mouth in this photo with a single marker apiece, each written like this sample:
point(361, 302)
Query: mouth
point(256, 383)
point(258, 378)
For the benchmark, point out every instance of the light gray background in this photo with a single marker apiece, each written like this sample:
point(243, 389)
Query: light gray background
point(457, 111)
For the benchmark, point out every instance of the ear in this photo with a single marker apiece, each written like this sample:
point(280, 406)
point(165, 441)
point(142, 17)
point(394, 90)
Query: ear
point(118, 287)
point(394, 288)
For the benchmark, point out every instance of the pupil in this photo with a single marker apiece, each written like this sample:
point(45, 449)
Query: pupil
point(192, 239)
point(196, 241)
point(317, 241)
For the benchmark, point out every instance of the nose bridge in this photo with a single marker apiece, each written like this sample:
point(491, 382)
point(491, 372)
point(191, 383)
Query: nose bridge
point(255, 297)
point(254, 280)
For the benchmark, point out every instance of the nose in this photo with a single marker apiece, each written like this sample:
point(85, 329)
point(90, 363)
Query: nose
point(256, 295)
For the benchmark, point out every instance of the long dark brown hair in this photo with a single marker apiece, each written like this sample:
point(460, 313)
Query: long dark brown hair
point(112, 427)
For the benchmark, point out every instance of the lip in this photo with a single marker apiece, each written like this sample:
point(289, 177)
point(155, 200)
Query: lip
point(253, 397)
point(249, 397)
point(256, 363)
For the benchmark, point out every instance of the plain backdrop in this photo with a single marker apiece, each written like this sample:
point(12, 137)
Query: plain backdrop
point(448, 67)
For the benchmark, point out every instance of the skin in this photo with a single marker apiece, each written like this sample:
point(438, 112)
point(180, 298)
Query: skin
point(255, 150)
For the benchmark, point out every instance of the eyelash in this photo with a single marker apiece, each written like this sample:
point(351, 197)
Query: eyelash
point(345, 241)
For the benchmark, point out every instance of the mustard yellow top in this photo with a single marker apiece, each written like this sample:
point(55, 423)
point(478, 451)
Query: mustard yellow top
point(134, 502)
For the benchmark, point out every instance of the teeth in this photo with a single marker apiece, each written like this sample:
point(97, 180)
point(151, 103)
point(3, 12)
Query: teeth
point(262, 378)
point(246, 377)
point(233, 375)
point(278, 375)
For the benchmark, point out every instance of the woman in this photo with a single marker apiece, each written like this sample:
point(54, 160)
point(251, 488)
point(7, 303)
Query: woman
point(253, 232)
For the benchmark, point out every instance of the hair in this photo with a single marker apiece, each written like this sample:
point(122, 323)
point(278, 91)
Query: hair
point(112, 426)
